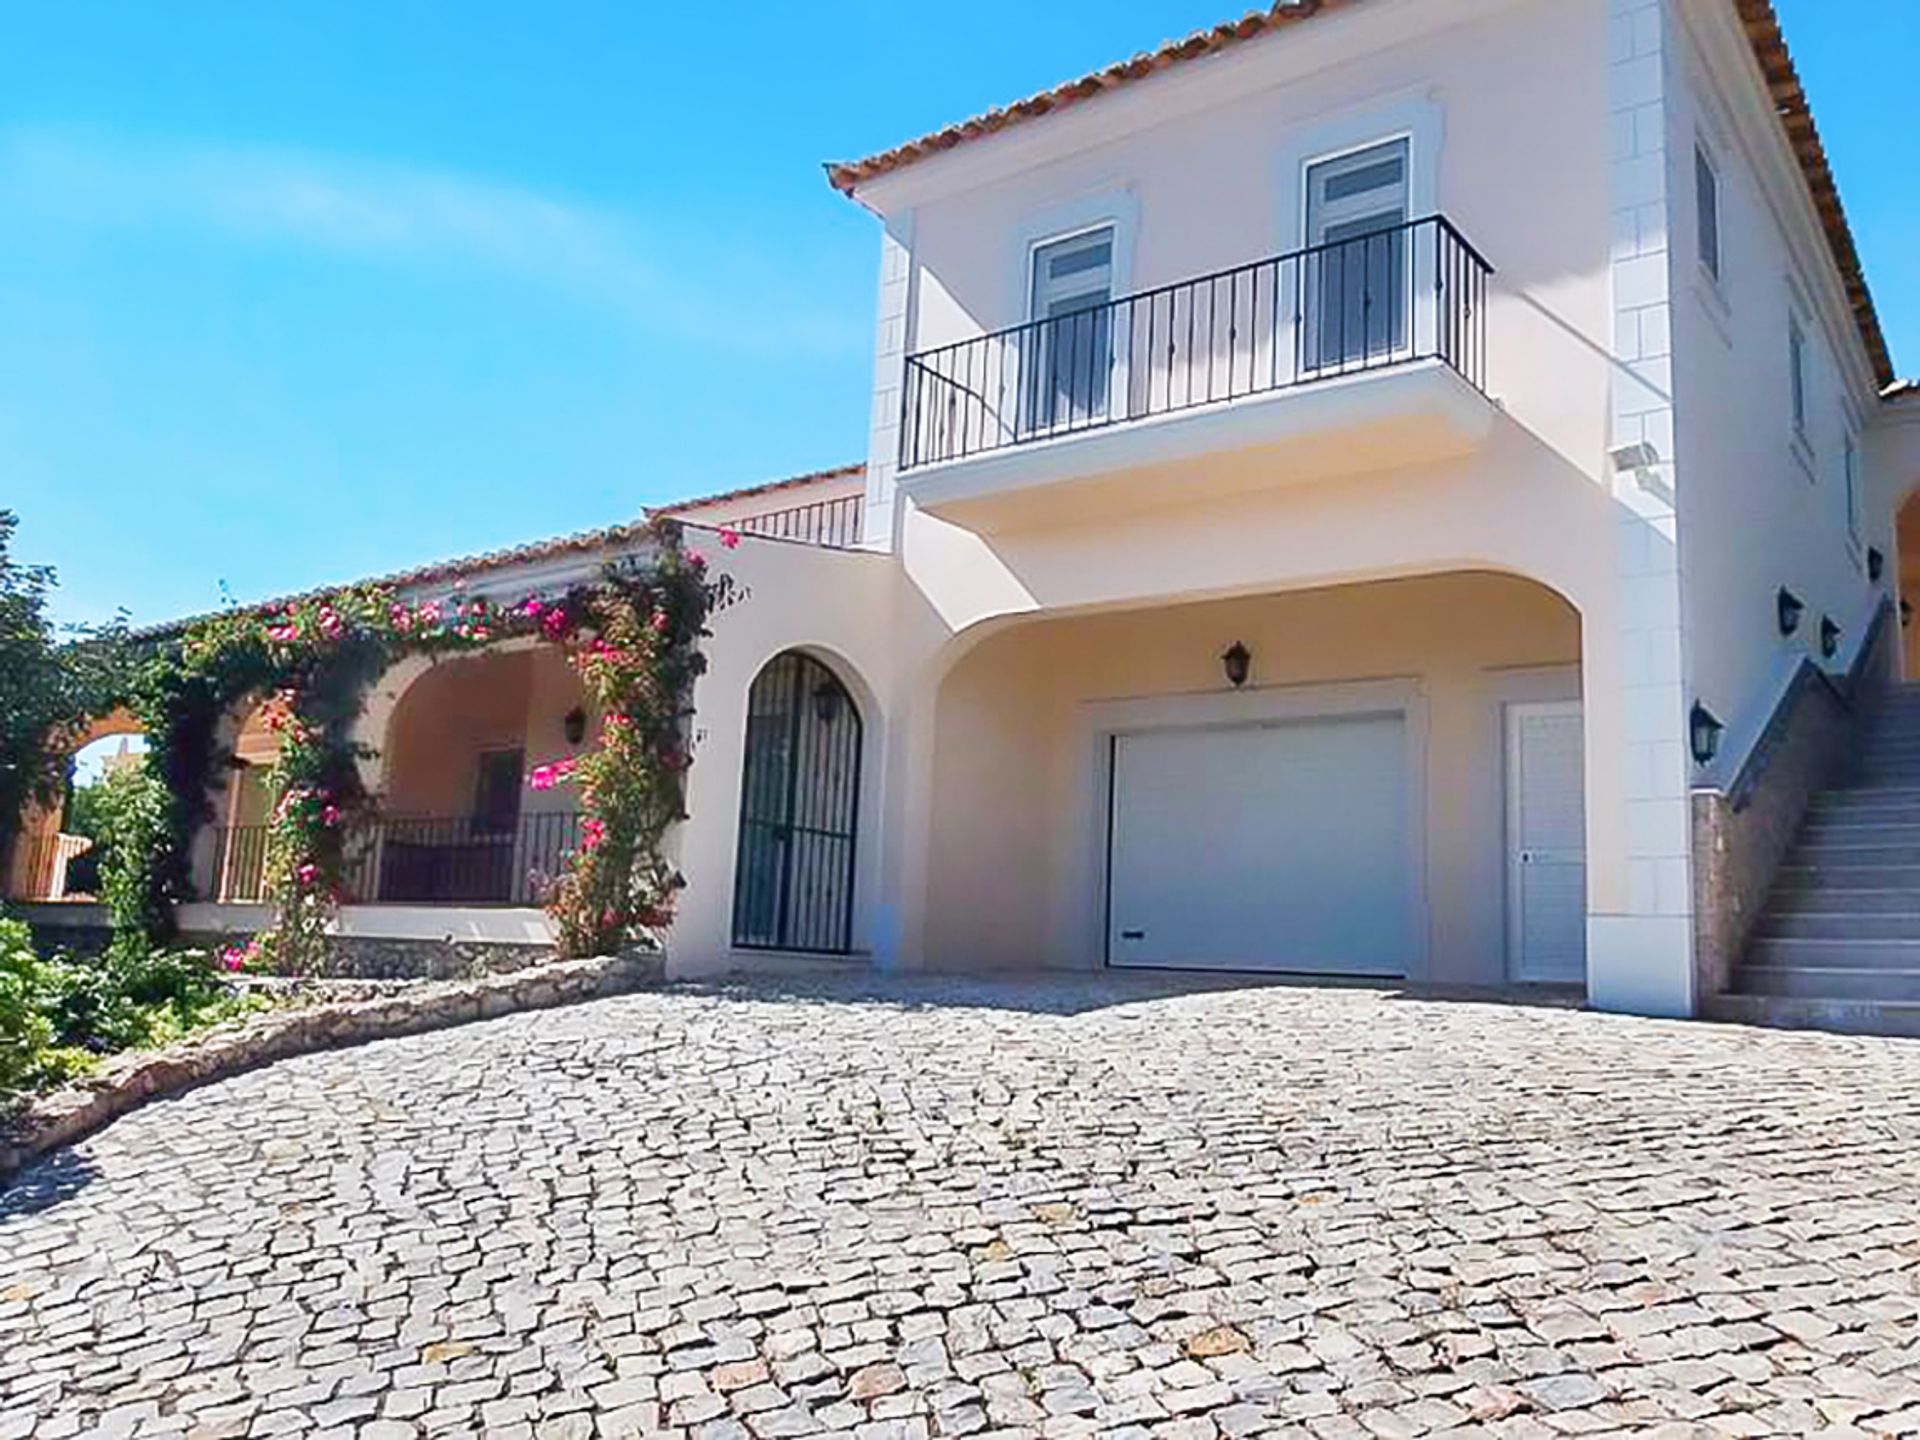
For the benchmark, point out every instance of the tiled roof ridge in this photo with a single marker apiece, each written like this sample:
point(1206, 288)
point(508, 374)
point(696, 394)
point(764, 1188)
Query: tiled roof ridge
point(1758, 17)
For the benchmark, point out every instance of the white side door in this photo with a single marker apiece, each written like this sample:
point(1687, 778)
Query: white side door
point(1546, 844)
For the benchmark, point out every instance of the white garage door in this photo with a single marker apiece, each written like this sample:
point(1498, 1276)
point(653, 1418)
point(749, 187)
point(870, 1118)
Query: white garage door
point(1281, 847)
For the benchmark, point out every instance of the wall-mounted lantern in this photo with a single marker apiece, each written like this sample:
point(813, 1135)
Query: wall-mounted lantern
point(1876, 564)
point(1238, 663)
point(828, 697)
point(1790, 607)
point(575, 725)
point(1706, 729)
point(1829, 637)
point(1906, 613)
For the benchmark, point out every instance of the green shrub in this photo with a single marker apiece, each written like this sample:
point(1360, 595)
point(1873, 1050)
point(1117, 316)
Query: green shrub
point(32, 1056)
point(59, 1014)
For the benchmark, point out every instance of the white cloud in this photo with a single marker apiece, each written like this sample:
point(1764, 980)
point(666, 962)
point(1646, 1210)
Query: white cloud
point(383, 213)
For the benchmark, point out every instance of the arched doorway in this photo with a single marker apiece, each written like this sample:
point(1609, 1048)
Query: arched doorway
point(799, 807)
point(60, 843)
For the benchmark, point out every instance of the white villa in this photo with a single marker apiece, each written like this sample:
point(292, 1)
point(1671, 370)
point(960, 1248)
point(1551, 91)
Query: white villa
point(1400, 489)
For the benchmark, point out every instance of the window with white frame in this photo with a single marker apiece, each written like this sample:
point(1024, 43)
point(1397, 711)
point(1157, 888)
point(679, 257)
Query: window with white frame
point(1356, 275)
point(1707, 188)
point(1851, 472)
point(1068, 359)
point(1797, 375)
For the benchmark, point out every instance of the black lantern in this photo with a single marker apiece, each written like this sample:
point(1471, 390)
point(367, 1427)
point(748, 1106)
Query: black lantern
point(1706, 728)
point(575, 725)
point(1829, 637)
point(1790, 607)
point(1238, 662)
point(1876, 565)
point(1906, 613)
point(827, 699)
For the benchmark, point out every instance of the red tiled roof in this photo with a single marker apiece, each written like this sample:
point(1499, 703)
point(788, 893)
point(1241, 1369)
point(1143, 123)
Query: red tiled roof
point(1759, 18)
point(680, 507)
point(584, 542)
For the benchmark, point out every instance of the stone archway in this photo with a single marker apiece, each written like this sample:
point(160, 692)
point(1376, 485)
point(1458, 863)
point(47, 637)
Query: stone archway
point(42, 851)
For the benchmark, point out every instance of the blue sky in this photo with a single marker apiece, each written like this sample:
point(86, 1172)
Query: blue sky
point(294, 294)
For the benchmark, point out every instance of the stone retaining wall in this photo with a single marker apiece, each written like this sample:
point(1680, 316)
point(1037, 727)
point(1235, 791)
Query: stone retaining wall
point(127, 1081)
point(1741, 835)
point(355, 957)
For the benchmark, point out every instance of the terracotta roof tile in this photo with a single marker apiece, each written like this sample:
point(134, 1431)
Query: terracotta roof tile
point(584, 542)
point(1762, 25)
point(839, 472)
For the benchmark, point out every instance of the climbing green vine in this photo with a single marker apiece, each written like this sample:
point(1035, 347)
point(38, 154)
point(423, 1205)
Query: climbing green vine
point(633, 636)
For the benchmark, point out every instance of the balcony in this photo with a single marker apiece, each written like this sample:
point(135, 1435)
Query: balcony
point(460, 860)
point(1361, 354)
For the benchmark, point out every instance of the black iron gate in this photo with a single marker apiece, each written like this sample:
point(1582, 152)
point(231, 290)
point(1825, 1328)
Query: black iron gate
point(799, 807)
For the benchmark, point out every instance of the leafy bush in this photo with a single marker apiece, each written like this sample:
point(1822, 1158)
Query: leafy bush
point(31, 1055)
point(59, 1014)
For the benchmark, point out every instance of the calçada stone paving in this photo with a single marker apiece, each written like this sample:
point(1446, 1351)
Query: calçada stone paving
point(1062, 1207)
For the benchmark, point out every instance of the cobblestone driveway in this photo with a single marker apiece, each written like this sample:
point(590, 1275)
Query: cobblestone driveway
point(946, 1209)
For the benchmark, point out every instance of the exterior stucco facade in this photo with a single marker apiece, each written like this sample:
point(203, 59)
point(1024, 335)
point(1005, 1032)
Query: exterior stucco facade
point(1595, 508)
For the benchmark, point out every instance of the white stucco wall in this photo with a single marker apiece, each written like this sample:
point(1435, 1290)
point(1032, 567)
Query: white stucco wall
point(1016, 855)
point(837, 605)
point(1759, 509)
point(1201, 170)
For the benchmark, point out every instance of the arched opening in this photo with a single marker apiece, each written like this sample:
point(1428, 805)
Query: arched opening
point(1907, 543)
point(459, 822)
point(61, 845)
point(240, 851)
point(1380, 780)
point(799, 810)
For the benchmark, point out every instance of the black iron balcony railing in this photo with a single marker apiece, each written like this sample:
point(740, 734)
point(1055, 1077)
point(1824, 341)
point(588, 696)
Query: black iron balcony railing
point(422, 861)
point(1389, 297)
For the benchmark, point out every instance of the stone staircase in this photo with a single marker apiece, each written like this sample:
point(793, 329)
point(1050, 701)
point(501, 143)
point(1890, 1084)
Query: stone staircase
point(1839, 944)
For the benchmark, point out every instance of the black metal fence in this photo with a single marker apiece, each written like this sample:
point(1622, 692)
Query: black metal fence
point(835, 524)
point(1391, 297)
point(422, 860)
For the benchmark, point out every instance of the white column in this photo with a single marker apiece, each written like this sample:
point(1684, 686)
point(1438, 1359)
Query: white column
point(892, 331)
point(1640, 935)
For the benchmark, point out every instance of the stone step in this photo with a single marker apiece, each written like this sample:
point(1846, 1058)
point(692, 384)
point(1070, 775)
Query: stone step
point(1830, 853)
point(1823, 900)
point(1871, 828)
point(1788, 1012)
point(1827, 875)
point(1839, 925)
point(1800, 983)
point(1866, 807)
point(1895, 956)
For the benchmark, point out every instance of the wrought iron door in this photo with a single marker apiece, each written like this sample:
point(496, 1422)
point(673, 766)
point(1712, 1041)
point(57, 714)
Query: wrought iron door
point(799, 808)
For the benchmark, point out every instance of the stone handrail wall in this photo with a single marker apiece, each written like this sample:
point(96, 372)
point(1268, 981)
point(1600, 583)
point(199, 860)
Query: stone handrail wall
point(1742, 833)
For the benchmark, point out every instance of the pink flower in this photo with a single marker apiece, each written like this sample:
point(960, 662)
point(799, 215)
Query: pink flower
point(554, 624)
point(330, 816)
point(545, 777)
point(235, 957)
point(661, 622)
point(592, 834)
point(533, 607)
point(306, 875)
point(729, 538)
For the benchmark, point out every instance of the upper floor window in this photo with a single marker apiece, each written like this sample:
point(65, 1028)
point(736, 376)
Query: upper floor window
point(1851, 471)
point(1357, 275)
point(1707, 184)
point(1797, 370)
point(1069, 355)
